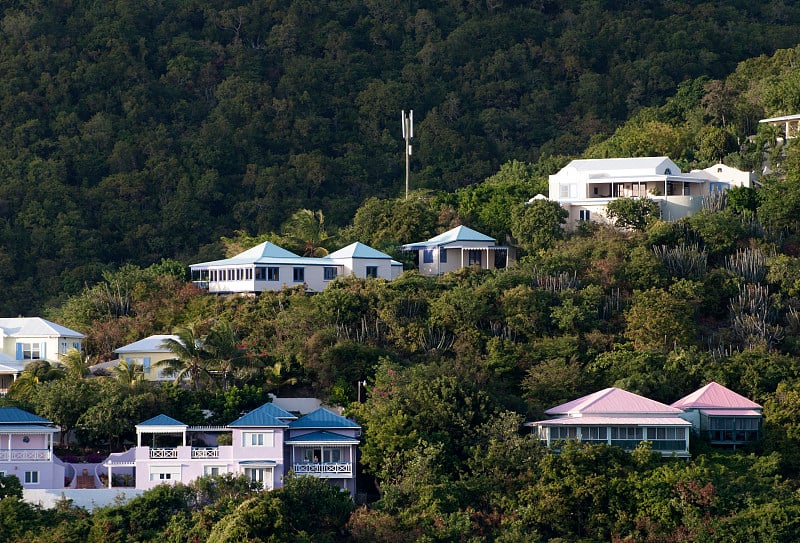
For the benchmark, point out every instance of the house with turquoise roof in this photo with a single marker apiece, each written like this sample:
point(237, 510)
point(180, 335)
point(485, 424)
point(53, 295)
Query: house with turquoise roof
point(323, 444)
point(270, 267)
point(26, 449)
point(266, 444)
point(460, 247)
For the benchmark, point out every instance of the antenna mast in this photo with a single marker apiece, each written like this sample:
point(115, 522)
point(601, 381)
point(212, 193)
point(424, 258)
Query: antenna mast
point(407, 122)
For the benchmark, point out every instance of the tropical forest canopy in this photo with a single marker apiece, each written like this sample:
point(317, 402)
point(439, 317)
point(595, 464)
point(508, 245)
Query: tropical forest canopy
point(136, 131)
point(140, 137)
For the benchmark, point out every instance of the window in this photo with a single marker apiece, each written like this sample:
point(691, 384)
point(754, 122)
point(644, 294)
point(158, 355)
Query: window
point(474, 257)
point(32, 477)
point(558, 433)
point(213, 471)
point(627, 433)
point(594, 433)
point(584, 214)
point(165, 473)
point(427, 256)
point(687, 189)
point(30, 351)
point(568, 190)
point(372, 271)
point(596, 191)
point(257, 439)
point(62, 346)
point(298, 275)
point(667, 171)
point(273, 274)
point(329, 273)
point(260, 475)
point(442, 254)
point(331, 455)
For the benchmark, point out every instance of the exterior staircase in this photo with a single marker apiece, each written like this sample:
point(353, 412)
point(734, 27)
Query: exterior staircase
point(85, 480)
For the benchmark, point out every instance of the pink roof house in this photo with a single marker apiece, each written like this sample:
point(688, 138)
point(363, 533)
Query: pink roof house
point(723, 416)
point(26, 449)
point(617, 417)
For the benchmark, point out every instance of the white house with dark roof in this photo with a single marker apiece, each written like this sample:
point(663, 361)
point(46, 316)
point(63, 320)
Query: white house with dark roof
point(585, 187)
point(458, 248)
point(24, 339)
point(26, 449)
point(723, 416)
point(266, 444)
point(616, 417)
point(270, 267)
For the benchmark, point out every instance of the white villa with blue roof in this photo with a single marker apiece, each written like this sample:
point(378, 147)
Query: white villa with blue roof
point(270, 267)
point(458, 248)
point(266, 444)
point(24, 339)
point(26, 449)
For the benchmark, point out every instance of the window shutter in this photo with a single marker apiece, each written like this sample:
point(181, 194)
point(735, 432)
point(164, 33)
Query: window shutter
point(146, 364)
point(42, 352)
point(19, 351)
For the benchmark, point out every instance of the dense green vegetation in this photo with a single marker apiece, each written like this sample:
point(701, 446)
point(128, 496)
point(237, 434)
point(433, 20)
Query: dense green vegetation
point(139, 137)
point(136, 131)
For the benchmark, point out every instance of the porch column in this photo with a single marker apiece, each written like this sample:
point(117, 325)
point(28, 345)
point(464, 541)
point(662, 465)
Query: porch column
point(109, 476)
point(50, 446)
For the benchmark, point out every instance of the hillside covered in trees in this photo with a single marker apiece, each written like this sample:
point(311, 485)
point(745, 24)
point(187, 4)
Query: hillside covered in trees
point(136, 131)
point(139, 137)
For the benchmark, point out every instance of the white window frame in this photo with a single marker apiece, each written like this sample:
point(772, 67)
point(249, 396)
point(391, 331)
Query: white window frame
point(258, 439)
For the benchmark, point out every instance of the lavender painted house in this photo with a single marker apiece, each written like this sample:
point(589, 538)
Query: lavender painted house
point(26, 449)
point(266, 444)
point(324, 445)
point(617, 417)
point(723, 416)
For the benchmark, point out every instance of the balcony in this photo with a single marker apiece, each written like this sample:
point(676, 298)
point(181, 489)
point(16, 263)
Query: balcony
point(205, 452)
point(324, 469)
point(25, 455)
point(161, 453)
point(196, 453)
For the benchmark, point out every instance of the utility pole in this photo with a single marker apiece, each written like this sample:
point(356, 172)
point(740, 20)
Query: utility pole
point(408, 133)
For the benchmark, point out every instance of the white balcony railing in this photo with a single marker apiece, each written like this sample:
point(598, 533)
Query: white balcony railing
point(25, 455)
point(205, 452)
point(311, 468)
point(164, 453)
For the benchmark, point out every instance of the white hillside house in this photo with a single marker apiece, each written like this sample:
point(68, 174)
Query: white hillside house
point(585, 187)
point(269, 267)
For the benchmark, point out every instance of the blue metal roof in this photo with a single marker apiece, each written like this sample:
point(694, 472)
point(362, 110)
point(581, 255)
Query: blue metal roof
point(266, 415)
point(459, 233)
point(322, 418)
point(358, 250)
point(161, 420)
point(15, 415)
point(322, 437)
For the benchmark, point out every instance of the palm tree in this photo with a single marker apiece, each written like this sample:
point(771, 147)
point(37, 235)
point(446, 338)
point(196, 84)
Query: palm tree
point(225, 352)
point(128, 373)
point(75, 364)
point(191, 360)
point(305, 229)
